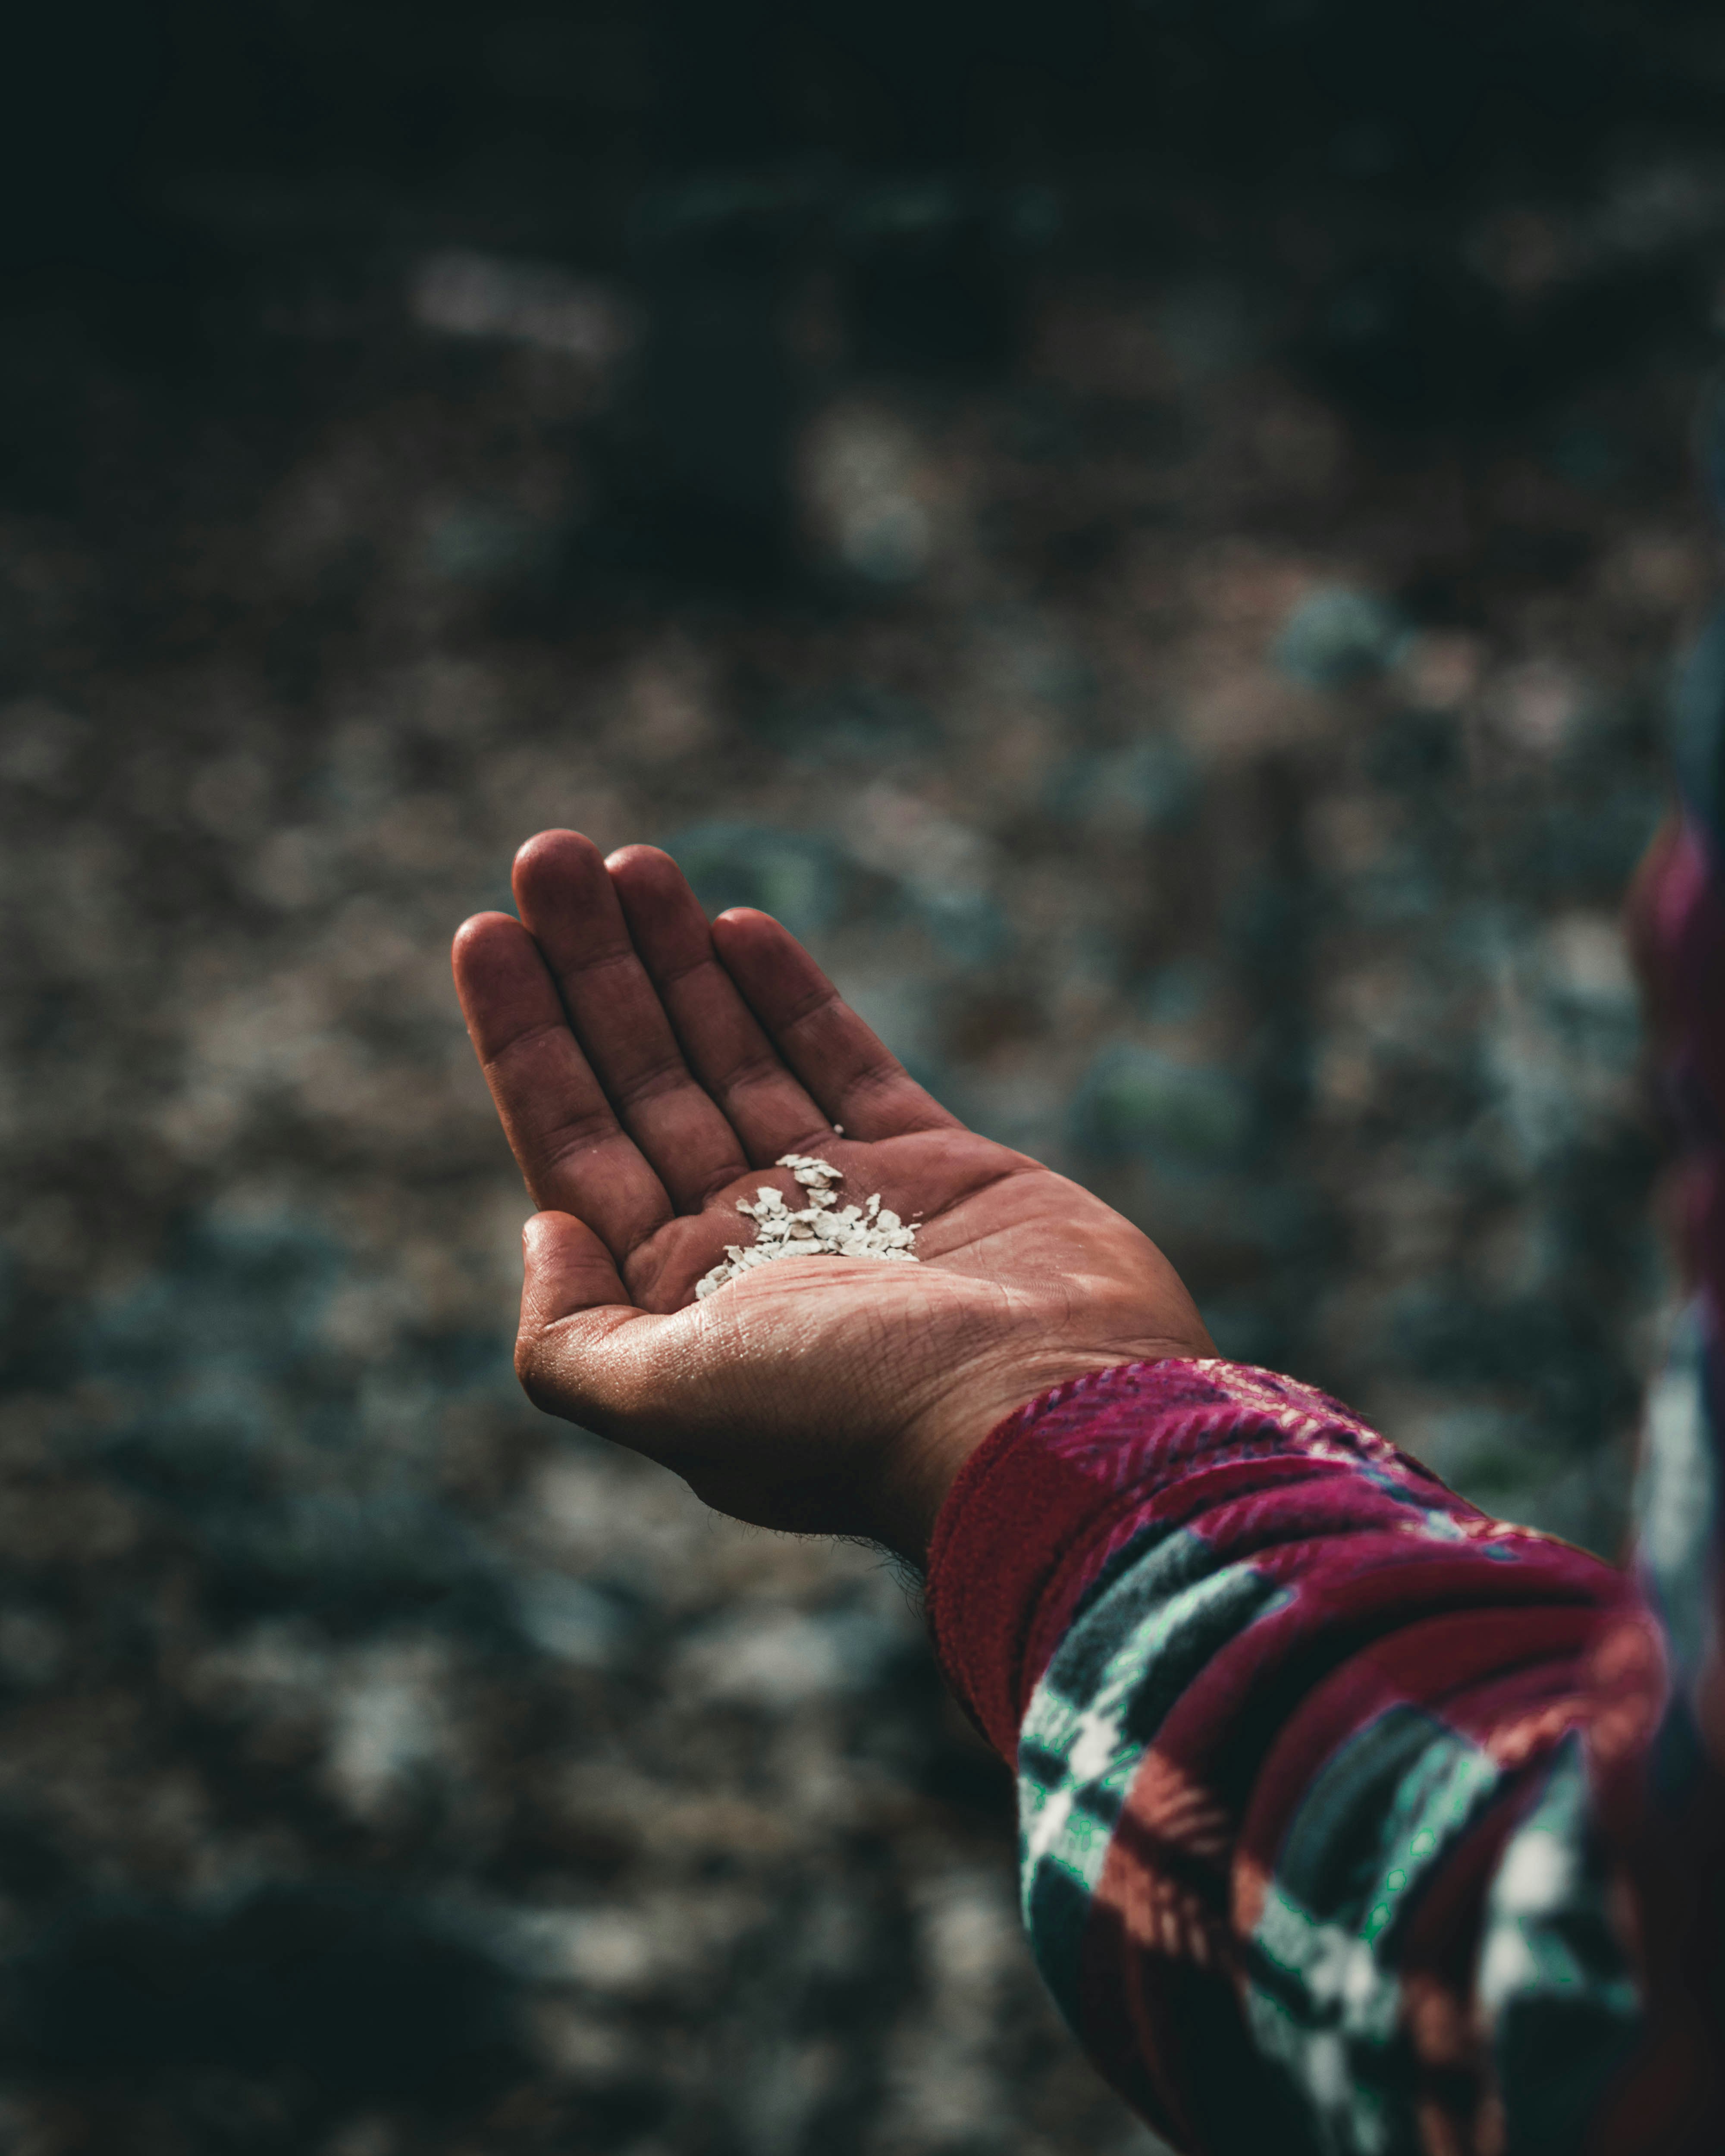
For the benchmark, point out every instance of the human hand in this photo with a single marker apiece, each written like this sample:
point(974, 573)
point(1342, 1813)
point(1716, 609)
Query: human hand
point(648, 1070)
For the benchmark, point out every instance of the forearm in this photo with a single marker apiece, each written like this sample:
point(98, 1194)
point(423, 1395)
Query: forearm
point(1279, 1703)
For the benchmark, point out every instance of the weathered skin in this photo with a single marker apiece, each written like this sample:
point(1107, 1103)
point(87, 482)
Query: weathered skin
point(647, 1069)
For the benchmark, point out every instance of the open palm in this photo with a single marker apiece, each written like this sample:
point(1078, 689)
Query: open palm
point(649, 1070)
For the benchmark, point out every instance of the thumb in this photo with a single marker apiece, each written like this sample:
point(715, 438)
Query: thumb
point(566, 1269)
point(584, 1350)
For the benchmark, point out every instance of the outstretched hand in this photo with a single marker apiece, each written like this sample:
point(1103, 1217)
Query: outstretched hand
point(648, 1070)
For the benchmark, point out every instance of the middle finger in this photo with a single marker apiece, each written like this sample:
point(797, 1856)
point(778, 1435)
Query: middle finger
point(768, 1107)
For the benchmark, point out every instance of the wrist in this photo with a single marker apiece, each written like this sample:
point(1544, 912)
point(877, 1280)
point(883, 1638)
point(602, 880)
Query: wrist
point(932, 1451)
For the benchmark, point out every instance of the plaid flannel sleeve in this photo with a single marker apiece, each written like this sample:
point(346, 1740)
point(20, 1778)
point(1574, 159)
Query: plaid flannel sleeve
point(1352, 1819)
point(1306, 1748)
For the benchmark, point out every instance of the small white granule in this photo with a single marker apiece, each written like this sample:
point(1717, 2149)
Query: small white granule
point(822, 1229)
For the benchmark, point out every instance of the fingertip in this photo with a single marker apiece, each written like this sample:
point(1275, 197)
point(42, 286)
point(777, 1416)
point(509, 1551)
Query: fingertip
point(666, 921)
point(765, 953)
point(636, 859)
point(478, 933)
point(541, 1231)
point(652, 887)
point(565, 1267)
point(749, 922)
point(554, 1245)
point(500, 978)
point(550, 842)
point(548, 858)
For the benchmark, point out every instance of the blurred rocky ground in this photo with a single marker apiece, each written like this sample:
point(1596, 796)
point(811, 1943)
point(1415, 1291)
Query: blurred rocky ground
point(1153, 538)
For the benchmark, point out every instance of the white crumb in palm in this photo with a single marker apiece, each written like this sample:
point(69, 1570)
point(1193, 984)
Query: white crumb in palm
point(821, 1228)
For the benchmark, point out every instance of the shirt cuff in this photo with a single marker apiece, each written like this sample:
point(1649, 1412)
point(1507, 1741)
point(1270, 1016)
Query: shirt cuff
point(1037, 1512)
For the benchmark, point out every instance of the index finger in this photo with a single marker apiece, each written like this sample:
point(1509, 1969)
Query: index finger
point(575, 1156)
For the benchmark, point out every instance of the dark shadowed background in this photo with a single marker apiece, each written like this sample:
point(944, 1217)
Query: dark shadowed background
point(1153, 534)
